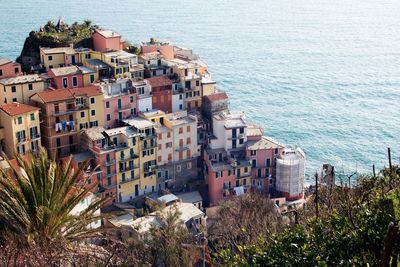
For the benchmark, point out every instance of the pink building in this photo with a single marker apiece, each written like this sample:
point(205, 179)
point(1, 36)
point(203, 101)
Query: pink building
point(66, 77)
point(9, 69)
point(102, 156)
point(106, 40)
point(120, 102)
point(166, 49)
point(261, 152)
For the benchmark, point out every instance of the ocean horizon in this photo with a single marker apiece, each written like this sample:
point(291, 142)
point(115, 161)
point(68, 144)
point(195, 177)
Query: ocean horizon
point(319, 74)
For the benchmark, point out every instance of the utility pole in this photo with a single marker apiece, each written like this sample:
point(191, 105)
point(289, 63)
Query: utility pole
point(373, 170)
point(316, 195)
point(390, 158)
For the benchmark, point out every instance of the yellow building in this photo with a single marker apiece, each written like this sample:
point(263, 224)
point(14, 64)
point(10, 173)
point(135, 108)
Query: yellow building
point(20, 88)
point(127, 161)
point(147, 153)
point(21, 126)
point(58, 57)
point(89, 107)
point(121, 62)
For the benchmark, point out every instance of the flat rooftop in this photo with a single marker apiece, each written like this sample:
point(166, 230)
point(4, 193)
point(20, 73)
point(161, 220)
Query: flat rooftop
point(95, 133)
point(139, 123)
point(125, 130)
point(264, 143)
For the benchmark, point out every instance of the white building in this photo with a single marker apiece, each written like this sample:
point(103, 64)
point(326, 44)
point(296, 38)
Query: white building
point(290, 172)
point(229, 131)
point(83, 205)
point(143, 89)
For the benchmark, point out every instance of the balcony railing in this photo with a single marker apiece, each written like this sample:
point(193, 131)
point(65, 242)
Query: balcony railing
point(110, 162)
point(63, 112)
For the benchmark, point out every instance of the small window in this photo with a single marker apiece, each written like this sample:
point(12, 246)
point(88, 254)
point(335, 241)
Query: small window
point(93, 112)
point(108, 104)
point(65, 82)
point(91, 78)
point(1, 72)
point(30, 87)
point(32, 116)
point(50, 58)
point(13, 89)
point(82, 114)
point(19, 120)
point(74, 81)
point(108, 117)
point(178, 168)
point(14, 100)
point(92, 100)
point(131, 99)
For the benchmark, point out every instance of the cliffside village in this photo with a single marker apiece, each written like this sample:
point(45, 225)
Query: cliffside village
point(153, 124)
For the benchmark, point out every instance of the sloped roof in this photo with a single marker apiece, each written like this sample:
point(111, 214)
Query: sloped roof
point(159, 81)
point(15, 108)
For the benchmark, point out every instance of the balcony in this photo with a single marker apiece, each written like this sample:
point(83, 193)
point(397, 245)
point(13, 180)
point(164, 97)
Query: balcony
point(110, 162)
point(123, 108)
point(129, 168)
point(61, 128)
point(65, 112)
point(148, 146)
point(182, 148)
point(35, 136)
point(128, 158)
point(21, 140)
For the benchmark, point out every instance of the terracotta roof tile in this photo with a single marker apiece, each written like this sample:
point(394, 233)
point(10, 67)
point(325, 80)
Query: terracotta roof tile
point(217, 96)
point(91, 90)
point(49, 96)
point(15, 108)
point(159, 81)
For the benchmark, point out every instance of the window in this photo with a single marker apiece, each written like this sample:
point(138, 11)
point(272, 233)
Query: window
point(241, 141)
point(108, 104)
point(14, 99)
point(131, 98)
point(188, 141)
point(180, 96)
point(268, 163)
point(19, 120)
point(1, 72)
point(241, 130)
point(180, 130)
point(74, 81)
point(93, 112)
point(189, 165)
point(159, 159)
point(119, 103)
point(32, 116)
point(276, 151)
point(16, 70)
point(65, 82)
point(82, 114)
point(30, 87)
point(188, 129)
point(197, 83)
point(92, 100)
point(178, 168)
point(180, 107)
point(58, 141)
point(253, 163)
point(91, 78)
point(253, 152)
point(108, 117)
point(50, 58)
point(13, 89)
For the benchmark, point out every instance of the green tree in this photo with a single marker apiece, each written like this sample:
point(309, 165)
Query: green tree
point(36, 200)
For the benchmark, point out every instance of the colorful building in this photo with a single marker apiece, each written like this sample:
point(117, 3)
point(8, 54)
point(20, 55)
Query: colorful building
point(9, 68)
point(58, 57)
point(107, 40)
point(66, 111)
point(21, 129)
point(147, 153)
point(120, 101)
point(161, 88)
point(262, 152)
point(72, 77)
point(20, 88)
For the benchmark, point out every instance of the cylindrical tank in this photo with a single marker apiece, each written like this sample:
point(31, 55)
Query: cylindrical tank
point(290, 173)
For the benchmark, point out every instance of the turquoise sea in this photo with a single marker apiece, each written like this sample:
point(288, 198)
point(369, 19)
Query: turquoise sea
point(322, 74)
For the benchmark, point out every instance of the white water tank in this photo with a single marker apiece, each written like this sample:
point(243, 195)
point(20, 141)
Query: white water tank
point(290, 173)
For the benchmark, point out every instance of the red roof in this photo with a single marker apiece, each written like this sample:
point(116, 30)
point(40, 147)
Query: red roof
point(15, 108)
point(217, 96)
point(159, 81)
point(91, 90)
point(49, 96)
point(67, 94)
